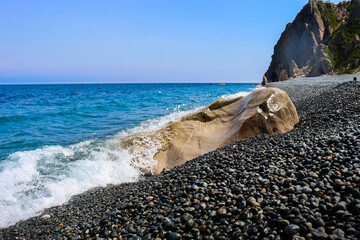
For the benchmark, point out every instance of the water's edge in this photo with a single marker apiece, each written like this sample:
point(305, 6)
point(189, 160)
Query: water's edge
point(34, 180)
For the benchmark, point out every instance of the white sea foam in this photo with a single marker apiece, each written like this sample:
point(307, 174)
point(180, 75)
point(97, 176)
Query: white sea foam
point(157, 123)
point(34, 180)
point(239, 94)
point(31, 181)
point(49, 176)
point(234, 95)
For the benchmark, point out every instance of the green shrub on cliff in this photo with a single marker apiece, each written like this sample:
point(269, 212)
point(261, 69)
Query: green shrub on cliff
point(329, 15)
point(332, 29)
point(342, 50)
point(352, 29)
point(350, 7)
point(339, 29)
point(330, 55)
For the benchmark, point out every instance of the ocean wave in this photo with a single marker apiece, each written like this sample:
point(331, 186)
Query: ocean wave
point(239, 94)
point(49, 176)
point(234, 95)
point(13, 118)
point(31, 181)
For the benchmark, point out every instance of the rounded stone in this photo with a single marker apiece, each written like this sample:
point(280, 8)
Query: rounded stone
point(291, 230)
point(173, 236)
point(221, 212)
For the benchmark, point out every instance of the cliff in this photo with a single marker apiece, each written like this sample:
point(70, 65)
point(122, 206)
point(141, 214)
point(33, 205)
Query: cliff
point(322, 40)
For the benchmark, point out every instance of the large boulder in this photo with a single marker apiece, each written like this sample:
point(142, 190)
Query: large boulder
point(268, 110)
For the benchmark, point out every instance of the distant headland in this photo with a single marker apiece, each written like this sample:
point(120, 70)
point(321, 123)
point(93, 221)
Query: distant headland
point(322, 40)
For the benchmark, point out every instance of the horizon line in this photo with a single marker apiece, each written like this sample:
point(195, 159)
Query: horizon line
point(80, 83)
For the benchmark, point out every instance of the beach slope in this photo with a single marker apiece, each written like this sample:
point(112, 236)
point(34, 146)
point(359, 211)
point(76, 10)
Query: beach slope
point(304, 183)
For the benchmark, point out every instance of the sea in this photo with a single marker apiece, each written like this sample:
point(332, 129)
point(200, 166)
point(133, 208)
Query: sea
point(59, 140)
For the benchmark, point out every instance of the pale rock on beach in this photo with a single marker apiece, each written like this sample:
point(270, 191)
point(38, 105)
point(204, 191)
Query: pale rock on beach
point(223, 122)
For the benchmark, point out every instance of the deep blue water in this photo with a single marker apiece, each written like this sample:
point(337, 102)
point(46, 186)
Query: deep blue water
point(32, 116)
point(60, 140)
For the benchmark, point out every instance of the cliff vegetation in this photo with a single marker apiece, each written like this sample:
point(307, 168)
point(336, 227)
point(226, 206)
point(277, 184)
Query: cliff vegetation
point(322, 40)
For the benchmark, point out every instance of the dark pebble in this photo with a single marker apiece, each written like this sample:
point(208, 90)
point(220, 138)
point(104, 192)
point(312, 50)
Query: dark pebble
point(303, 184)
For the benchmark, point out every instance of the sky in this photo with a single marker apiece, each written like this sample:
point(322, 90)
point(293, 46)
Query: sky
point(62, 41)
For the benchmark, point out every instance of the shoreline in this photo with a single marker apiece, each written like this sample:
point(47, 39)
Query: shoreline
point(82, 151)
point(231, 171)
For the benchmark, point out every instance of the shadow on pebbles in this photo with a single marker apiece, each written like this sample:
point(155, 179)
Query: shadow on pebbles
point(300, 185)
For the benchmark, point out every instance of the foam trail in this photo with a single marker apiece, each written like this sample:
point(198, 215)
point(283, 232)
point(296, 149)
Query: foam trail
point(31, 181)
point(234, 95)
point(34, 180)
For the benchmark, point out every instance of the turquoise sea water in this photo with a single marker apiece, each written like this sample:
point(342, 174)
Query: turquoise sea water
point(60, 140)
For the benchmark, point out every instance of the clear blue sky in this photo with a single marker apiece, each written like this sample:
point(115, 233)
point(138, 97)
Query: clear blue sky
point(140, 40)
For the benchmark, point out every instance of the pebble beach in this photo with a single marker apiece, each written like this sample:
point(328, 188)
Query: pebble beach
point(304, 184)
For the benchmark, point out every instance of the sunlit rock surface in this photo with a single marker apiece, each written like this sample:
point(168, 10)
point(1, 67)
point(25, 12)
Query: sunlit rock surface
point(223, 122)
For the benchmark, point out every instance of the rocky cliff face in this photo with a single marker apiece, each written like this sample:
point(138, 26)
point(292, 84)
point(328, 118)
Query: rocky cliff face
point(323, 39)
